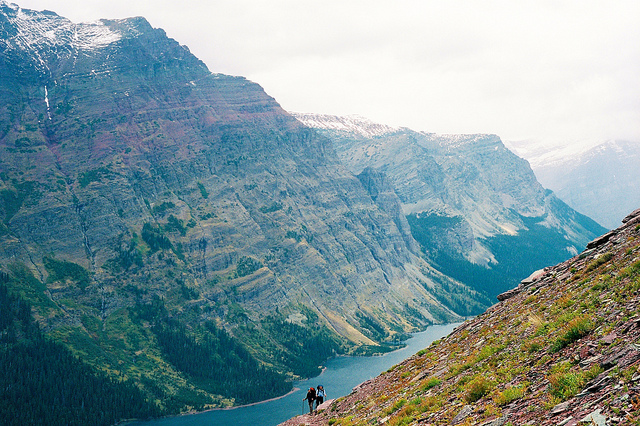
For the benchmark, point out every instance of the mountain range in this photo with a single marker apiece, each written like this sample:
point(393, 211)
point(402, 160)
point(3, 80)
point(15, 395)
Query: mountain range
point(586, 179)
point(183, 235)
point(475, 208)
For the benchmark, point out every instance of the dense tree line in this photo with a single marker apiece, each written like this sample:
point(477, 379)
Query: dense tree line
point(60, 270)
point(305, 347)
point(247, 266)
point(210, 357)
point(42, 383)
point(533, 248)
point(153, 236)
point(217, 363)
point(374, 328)
point(127, 257)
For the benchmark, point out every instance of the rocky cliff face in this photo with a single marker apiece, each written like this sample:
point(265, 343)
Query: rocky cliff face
point(476, 208)
point(563, 348)
point(137, 188)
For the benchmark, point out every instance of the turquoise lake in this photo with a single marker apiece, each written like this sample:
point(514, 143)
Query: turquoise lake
point(340, 376)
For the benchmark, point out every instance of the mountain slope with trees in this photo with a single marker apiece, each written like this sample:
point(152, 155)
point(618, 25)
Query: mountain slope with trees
point(585, 179)
point(43, 383)
point(147, 204)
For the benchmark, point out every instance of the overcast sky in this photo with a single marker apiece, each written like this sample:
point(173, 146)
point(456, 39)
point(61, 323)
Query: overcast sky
point(551, 71)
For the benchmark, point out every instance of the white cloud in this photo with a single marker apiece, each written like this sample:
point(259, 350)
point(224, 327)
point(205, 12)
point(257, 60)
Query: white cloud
point(560, 71)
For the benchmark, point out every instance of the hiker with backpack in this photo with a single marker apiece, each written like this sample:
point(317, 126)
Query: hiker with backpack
point(311, 396)
point(320, 395)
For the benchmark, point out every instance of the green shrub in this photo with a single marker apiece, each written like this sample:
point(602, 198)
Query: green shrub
point(402, 420)
point(599, 261)
point(478, 387)
point(533, 347)
point(508, 395)
point(488, 351)
point(431, 383)
point(631, 271)
point(456, 369)
point(577, 329)
point(61, 270)
point(396, 406)
point(565, 384)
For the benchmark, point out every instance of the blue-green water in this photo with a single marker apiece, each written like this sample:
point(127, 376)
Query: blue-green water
point(340, 376)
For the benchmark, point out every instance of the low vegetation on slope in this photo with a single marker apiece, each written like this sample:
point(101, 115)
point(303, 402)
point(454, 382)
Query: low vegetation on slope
point(563, 348)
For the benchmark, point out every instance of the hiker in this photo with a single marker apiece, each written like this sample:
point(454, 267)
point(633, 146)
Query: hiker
point(320, 395)
point(311, 396)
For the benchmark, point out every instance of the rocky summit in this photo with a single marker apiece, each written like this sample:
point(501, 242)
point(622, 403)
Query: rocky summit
point(561, 349)
point(162, 218)
point(474, 207)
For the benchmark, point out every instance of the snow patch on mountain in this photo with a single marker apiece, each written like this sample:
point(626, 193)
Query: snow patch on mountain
point(350, 123)
point(541, 154)
point(37, 31)
point(455, 141)
point(363, 126)
point(94, 35)
point(589, 175)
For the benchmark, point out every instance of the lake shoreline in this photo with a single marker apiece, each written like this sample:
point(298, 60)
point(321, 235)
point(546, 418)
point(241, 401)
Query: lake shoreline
point(295, 389)
point(235, 407)
point(194, 412)
point(339, 376)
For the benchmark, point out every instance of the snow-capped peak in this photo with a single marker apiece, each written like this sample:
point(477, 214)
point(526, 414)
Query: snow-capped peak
point(350, 123)
point(544, 154)
point(36, 31)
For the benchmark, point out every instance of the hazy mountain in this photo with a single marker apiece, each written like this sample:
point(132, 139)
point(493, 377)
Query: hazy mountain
point(161, 218)
point(562, 349)
point(476, 208)
point(588, 179)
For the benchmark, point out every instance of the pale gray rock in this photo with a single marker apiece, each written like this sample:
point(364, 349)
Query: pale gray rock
point(596, 418)
point(466, 411)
